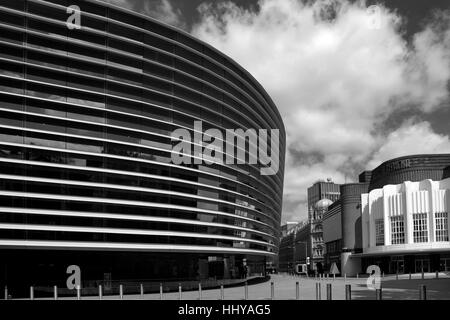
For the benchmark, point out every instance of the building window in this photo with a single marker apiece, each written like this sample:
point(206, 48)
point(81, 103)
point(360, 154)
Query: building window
point(379, 232)
point(441, 226)
point(420, 227)
point(397, 230)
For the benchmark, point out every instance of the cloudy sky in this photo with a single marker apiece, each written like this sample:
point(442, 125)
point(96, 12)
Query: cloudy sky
point(355, 86)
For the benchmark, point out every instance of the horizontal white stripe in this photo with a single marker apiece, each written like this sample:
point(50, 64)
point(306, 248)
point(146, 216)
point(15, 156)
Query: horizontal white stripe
point(54, 133)
point(124, 187)
point(138, 232)
point(120, 157)
point(114, 201)
point(120, 187)
point(118, 216)
point(105, 246)
point(144, 146)
point(140, 160)
point(130, 173)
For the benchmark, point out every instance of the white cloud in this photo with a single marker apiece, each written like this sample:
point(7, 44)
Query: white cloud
point(410, 138)
point(334, 79)
point(161, 10)
point(164, 11)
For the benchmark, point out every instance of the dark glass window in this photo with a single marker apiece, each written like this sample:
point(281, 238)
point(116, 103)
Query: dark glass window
point(44, 59)
point(158, 43)
point(47, 28)
point(7, 135)
point(124, 106)
point(125, 32)
point(157, 84)
point(50, 12)
point(125, 62)
point(14, 4)
point(156, 70)
point(186, 54)
point(11, 102)
point(11, 35)
point(126, 46)
point(94, 23)
point(11, 52)
point(12, 19)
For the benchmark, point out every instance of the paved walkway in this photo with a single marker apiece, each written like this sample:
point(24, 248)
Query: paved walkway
point(285, 289)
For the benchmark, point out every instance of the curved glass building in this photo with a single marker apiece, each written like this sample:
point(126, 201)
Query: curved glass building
point(86, 176)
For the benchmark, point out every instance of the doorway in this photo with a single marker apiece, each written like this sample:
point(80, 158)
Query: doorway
point(397, 266)
point(422, 265)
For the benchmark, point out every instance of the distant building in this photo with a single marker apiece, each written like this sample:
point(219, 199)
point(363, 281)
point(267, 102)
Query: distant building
point(288, 226)
point(332, 235)
point(304, 244)
point(396, 217)
point(322, 190)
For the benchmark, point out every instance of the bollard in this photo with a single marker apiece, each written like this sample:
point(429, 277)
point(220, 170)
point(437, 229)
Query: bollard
point(55, 292)
point(357, 276)
point(329, 294)
point(6, 293)
point(345, 277)
point(121, 292)
point(272, 291)
point(396, 276)
point(100, 292)
point(378, 294)
point(297, 291)
point(246, 291)
point(334, 276)
point(437, 274)
point(78, 293)
point(318, 289)
point(31, 293)
point(142, 290)
point(348, 292)
point(179, 291)
point(423, 277)
point(422, 292)
point(410, 275)
point(222, 294)
point(160, 291)
point(199, 291)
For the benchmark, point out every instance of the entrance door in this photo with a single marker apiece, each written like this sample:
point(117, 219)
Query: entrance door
point(444, 265)
point(397, 266)
point(422, 265)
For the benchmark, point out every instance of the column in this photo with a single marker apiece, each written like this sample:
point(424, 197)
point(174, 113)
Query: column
point(408, 222)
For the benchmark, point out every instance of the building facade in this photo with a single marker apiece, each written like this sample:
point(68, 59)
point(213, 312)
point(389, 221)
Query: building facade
point(406, 226)
point(332, 235)
point(322, 190)
point(304, 244)
point(86, 177)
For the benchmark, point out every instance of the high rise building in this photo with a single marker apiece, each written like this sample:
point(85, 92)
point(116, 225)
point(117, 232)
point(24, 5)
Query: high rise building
point(322, 190)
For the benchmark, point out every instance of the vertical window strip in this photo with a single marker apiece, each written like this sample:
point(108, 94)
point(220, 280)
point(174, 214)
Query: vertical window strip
point(441, 220)
point(379, 232)
point(420, 227)
point(397, 230)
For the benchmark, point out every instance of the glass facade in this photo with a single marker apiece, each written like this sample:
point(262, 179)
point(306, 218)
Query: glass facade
point(85, 146)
